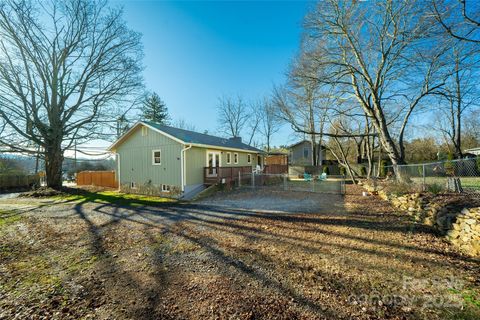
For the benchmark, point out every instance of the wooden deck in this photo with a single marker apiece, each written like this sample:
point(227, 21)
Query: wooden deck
point(214, 175)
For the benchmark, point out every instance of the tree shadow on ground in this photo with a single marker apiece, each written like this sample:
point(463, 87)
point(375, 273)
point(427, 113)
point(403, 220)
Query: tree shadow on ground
point(199, 221)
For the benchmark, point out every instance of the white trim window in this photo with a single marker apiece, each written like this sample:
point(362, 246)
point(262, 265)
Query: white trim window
point(165, 188)
point(156, 157)
point(133, 185)
point(144, 131)
point(249, 158)
point(229, 157)
point(235, 158)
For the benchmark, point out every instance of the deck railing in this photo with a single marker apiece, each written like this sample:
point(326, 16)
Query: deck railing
point(213, 175)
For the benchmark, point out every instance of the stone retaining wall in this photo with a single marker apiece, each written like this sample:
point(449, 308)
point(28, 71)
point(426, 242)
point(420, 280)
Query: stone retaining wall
point(462, 229)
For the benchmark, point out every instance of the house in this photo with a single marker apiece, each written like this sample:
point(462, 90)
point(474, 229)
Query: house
point(154, 158)
point(300, 154)
point(473, 151)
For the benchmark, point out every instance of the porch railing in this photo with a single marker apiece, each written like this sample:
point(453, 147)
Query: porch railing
point(213, 175)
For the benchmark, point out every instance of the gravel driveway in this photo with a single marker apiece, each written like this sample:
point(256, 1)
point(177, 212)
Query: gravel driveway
point(238, 255)
point(266, 200)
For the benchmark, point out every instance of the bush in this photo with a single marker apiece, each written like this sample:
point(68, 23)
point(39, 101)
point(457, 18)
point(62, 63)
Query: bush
point(343, 171)
point(399, 188)
point(478, 163)
point(326, 170)
point(435, 188)
point(449, 169)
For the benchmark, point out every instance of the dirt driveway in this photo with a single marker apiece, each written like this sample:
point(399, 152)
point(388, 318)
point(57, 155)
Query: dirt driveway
point(235, 256)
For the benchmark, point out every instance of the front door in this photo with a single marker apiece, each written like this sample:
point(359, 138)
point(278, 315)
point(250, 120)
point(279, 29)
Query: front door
point(213, 162)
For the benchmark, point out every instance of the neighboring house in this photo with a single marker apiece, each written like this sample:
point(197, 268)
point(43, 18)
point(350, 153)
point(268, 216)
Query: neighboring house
point(474, 151)
point(300, 154)
point(169, 159)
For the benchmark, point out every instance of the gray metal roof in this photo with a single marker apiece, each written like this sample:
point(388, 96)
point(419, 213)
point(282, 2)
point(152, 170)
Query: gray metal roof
point(188, 136)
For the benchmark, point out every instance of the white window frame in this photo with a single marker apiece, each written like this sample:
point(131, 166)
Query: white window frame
point(153, 157)
point(229, 157)
point(144, 131)
point(235, 158)
point(249, 158)
point(166, 188)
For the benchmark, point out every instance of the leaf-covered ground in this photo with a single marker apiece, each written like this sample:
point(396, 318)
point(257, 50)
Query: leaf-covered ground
point(351, 258)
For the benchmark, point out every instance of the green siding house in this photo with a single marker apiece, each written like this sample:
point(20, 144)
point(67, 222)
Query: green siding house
point(154, 158)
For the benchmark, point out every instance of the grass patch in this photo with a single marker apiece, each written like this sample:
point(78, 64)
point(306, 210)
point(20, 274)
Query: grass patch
point(470, 297)
point(8, 217)
point(118, 198)
point(467, 182)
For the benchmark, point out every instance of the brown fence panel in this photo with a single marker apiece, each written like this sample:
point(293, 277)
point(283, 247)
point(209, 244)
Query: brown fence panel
point(97, 178)
point(276, 169)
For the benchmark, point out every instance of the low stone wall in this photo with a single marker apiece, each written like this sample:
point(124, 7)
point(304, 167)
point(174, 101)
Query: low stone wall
point(462, 229)
point(465, 232)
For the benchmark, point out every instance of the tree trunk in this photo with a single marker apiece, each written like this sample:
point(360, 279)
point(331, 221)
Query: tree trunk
point(359, 151)
point(53, 165)
point(314, 150)
point(458, 133)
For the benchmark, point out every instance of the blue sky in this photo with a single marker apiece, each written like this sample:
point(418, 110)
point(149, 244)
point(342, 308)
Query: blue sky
point(197, 51)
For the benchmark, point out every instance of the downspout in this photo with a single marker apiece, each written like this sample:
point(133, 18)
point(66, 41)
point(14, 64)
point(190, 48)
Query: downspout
point(182, 166)
point(118, 169)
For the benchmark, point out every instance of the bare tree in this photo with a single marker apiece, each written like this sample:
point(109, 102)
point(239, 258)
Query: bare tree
point(181, 123)
point(232, 116)
point(253, 124)
point(269, 122)
point(460, 93)
point(298, 102)
point(236, 118)
point(65, 68)
point(381, 54)
point(340, 147)
point(459, 18)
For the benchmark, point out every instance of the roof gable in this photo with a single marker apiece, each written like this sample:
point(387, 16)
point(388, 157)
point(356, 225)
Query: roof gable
point(189, 137)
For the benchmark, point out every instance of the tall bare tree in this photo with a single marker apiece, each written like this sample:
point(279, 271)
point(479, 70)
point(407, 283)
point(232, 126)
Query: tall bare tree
point(460, 94)
point(232, 116)
point(381, 54)
point(65, 68)
point(459, 18)
point(237, 118)
point(299, 102)
point(269, 122)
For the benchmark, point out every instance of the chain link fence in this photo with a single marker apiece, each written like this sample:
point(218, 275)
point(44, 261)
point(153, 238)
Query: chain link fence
point(438, 175)
point(334, 184)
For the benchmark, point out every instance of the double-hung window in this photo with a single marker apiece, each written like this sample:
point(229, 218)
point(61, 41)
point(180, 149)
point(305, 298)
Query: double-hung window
point(229, 157)
point(156, 157)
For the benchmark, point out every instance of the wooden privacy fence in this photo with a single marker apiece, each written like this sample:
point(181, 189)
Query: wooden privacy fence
point(275, 169)
point(97, 178)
